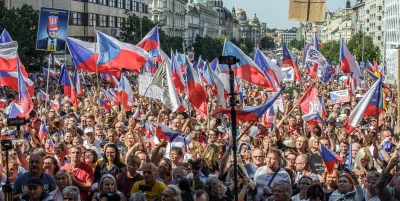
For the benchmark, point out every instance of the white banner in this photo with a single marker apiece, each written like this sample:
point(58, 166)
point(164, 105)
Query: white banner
point(278, 104)
point(289, 74)
point(152, 91)
point(391, 66)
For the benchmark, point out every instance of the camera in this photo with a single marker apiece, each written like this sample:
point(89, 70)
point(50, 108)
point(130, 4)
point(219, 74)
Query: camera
point(16, 121)
point(145, 188)
point(229, 60)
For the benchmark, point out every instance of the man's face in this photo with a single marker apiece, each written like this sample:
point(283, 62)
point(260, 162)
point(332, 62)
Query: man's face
point(301, 142)
point(36, 164)
point(355, 149)
point(35, 192)
point(112, 137)
point(258, 158)
point(272, 161)
point(149, 175)
point(332, 179)
point(179, 175)
point(143, 160)
point(176, 124)
point(279, 193)
point(132, 167)
point(75, 154)
point(52, 33)
point(201, 198)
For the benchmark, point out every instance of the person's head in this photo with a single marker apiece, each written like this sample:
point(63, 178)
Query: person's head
point(132, 164)
point(272, 159)
point(112, 135)
point(143, 158)
point(301, 143)
point(370, 182)
point(35, 188)
point(107, 184)
point(179, 173)
point(304, 183)
point(215, 187)
point(302, 162)
point(90, 120)
point(200, 195)
point(90, 156)
point(175, 154)
point(75, 154)
point(50, 165)
point(290, 157)
point(196, 166)
point(71, 193)
point(345, 183)
point(171, 193)
point(354, 149)
point(210, 154)
point(36, 164)
point(119, 127)
point(60, 149)
point(90, 136)
point(165, 166)
point(111, 153)
point(315, 193)
point(331, 179)
point(63, 179)
point(363, 159)
point(149, 173)
point(282, 191)
point(343, 146)
point(258, 157)
point(213, 135)
point(176, 124)
point(138, 197)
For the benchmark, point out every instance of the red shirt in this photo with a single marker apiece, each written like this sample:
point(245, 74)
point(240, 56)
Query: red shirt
point(83, 174)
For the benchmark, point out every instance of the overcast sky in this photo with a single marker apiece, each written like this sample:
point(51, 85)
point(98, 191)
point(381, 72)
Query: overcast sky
point(275, 12)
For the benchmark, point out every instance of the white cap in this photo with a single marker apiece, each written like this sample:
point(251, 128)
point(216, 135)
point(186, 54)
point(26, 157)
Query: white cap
point(89, 130)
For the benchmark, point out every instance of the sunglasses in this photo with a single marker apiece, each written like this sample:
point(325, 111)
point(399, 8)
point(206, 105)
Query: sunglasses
point(53, 31)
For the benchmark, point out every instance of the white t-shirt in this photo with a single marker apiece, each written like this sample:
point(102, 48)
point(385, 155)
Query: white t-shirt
point(180, 141)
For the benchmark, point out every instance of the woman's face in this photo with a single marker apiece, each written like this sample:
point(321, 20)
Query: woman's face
point(108, 185)
point(290, 159)
point(167, 194)
point(68, 197)
point(343, 148)
point(130, 140)
point(243, 149)
point(75, 142)
point(364, 161)
point(68, 137)
point(369, 184)
point(110, 154)
point(48, 166)
point(344, 185)
point(89, 157)
point(174, 156)
point(304, 184)
point(122, 138)
point(62, 181)
point(267, 144)
point(164, 166)
point(361, 178)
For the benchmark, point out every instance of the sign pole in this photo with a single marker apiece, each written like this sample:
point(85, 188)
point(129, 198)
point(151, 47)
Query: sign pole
point(398, 87)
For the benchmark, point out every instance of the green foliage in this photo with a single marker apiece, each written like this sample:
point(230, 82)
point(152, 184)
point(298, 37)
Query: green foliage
point(331, 50)
point(131, 33)
point(244, 44)
point(371, 52)
point(268, 43)
point(21, 23)
point(209, 48)
point(296, 44)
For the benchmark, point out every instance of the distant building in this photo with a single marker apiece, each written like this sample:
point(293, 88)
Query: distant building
point(171, 14)
point(286, 37)
point(338, 25)
point(392, 21)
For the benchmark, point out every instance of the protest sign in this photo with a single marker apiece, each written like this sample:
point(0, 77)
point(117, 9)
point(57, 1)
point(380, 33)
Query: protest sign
point(341, 96)
point(278, 104)
point(391, 66)
point(149, 91)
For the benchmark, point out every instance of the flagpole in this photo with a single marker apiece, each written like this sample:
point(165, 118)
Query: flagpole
point(398, 88)
point(95, 51)
point(47, 82)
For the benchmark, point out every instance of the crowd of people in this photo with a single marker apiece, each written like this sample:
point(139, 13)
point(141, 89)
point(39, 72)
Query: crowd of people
point(94, 154)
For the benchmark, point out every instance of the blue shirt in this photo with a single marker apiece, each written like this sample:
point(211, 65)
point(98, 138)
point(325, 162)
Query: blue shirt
point(49, 184)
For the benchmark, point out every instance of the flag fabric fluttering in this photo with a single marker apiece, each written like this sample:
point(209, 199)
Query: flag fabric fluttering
point(151, 43)
point(287, 59)
point(177, 77)
point(370, 105)
point(104, 104)
point(16, 110)
point(50, 73)
point(109, 78)
point(125, 93)
point(263, 63)
point(269, 117)
point(246, 69)
point(329, 158)
point(24, 96)
point(164, 133)
point(348, 63)
point(313, 119)
point(42, 130)
point(197, 94)
point(150, 67)
point(66, 82)
point(78, 84)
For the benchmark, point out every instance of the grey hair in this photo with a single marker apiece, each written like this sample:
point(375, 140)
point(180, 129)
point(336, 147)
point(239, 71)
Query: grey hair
point(287, 188)
point(211, 186)
point(138, 197)
point(72, 190)
point(177, 192)
point(179, 168)
point(110, 176)
point(67, 174)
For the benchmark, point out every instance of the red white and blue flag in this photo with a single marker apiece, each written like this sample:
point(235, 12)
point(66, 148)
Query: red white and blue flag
point(16, 110)
point(349, 64)
point(150, 67)
point(125, 93)
point(197, 94)
point(104, 104)
point(262, 62)
point(24, 96)
point(329, 158)
point(287, 59)
point(42, 130)
point(151, 43)
point(269, 117)
point(78, 84)
point(177, 77)
point(66, 82)
point(109, 78)
point(164, 133)
point(50, 73)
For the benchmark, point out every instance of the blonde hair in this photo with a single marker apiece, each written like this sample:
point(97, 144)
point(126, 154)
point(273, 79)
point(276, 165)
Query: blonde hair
point(66, 173)
point(210, 155)
point(361, 154)
point(196, 147)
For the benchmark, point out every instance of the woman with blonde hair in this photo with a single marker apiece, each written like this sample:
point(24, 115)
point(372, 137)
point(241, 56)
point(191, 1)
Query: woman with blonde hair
point(63, 179)
point(210, 155)
point(195, 150)
point(107, 184)
point(364, 160)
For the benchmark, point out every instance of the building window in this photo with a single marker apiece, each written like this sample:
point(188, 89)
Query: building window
point(120, 21)
point(92, 19)
point(103, 2)
point(112, 3)
point(102, 20)
point(92, 1)
point(128, 4)
point(134, 5)
point(120, 3)
point(141, 7)
point(156, 18)
point(163, 3)
point(145, 9)
point(111, 21)
point(77, 18)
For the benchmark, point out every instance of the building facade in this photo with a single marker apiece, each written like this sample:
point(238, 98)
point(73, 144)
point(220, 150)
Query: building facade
point(286, 38)
point(373, 21)
point(392, 22)
point(338, 25)
point(106, 15)
point(171, 14)
point(248, 28)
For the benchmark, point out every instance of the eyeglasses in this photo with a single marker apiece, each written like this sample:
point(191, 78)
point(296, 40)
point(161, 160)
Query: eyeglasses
point(53, 31)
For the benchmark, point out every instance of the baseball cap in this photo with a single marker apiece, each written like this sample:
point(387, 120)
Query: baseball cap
point(35, 182)
point(89, 130)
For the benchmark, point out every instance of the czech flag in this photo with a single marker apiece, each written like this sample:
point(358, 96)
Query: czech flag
point(197, 94)
point(150, 67)
point(369, 66)
point(104, 104)
point(50, 73)
point(115, 54)
point(10, 79)
point(348, 63)
point(313, 119)
point(9, 54)
point(214, 65)
point(54, 104)
point(43, 95)
point(181, 61)
point(207, 79)
point(151, 43)
point(315, 41)
point(69, 91)
point(3, 102)
point(125, 94)
point(370, 105)
point(146, 128)
point(111, 96)
point(16, 111)
point(109, 78)
point(78, 84)
point(329, 158)
point(42, 131)
point(163, 132)
point(247, 69)
point(5, 37)
point(24, 96)
point(84, 57)
point(351, 84)
point(250, 113)
point(177, 77)
point(287, 59)
point(269, 117)
point(261, 61)
point(51, 148)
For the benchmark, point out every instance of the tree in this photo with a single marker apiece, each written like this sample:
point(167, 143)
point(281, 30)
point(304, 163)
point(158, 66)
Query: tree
point(209, 48)
point(21, 23)
point(371, 51)
point(268, 43)
point(331, 50)
point(296, 44)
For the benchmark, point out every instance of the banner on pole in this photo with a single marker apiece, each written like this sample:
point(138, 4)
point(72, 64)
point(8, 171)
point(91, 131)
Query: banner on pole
point(391, 66)
point(152, 91)
point(278, 104)
point(341, 96)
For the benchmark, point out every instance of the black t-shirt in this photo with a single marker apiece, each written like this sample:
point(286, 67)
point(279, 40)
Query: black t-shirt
point(316, 164)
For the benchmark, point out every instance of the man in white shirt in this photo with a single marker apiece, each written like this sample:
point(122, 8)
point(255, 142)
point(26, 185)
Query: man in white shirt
point(91, 142)
point(182, 141)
